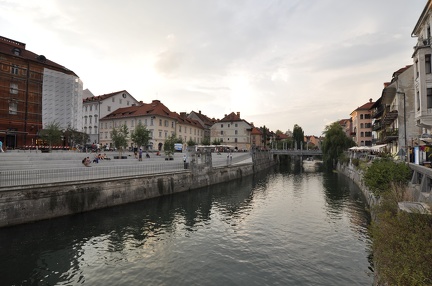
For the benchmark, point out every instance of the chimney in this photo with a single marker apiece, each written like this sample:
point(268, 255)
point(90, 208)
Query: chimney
point(199, 111)
point(238, 113)
point(370, 99)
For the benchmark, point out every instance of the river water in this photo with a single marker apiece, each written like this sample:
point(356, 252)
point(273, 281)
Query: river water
point(277, 228)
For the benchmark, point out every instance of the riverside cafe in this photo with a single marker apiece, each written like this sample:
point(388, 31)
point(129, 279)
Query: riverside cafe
point(366, 152)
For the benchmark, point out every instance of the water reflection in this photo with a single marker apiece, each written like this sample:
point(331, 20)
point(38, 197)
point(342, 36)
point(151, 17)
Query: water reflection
point(253, 231)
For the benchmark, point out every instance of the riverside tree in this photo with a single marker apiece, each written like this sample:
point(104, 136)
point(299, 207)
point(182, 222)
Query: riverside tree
point(334, 144)
point(52, 134)
point(169, 145)
point(141, 135)
point(119, 137)
point(298, 136)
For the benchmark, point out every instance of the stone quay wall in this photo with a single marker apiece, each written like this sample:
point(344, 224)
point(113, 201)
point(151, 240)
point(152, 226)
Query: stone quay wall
point(39, 202)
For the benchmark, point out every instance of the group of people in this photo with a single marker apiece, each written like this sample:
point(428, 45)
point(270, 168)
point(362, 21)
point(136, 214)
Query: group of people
point(86, 161)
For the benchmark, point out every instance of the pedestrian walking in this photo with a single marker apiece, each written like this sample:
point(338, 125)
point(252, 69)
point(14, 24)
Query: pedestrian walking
point(1, 147)
point(140, 154)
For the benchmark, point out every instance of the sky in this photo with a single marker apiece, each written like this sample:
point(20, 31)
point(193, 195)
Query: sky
point(277, 62)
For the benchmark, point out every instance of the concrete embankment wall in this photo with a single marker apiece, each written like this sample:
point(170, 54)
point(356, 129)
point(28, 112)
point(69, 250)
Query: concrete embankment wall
point(38, 202)
point(357, 177)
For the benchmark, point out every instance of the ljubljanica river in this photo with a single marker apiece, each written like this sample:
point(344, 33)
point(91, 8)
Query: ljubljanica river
point(277, 228)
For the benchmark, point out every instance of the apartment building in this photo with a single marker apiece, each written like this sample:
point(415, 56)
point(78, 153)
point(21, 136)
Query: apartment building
point(34, 91)
point(204, 120)
point(232, 130)
point(96, 107)
point(158, 119)
point(393, 114)
point(362, 124)
point(423, 70)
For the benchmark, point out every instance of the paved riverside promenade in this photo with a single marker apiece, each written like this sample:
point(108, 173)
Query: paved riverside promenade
point(20, 168)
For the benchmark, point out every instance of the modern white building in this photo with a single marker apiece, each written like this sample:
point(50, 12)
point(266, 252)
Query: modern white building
point(96, 107)
point(62, 99)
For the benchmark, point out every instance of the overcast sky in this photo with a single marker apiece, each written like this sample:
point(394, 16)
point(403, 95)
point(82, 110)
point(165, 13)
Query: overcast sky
point(279, 63)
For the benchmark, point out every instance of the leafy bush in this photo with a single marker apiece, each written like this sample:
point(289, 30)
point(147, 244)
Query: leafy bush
point(383, 172)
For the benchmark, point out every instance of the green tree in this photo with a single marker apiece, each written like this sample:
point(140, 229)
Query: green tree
point(75, 137)
point(140, 136)
point(298, 136)
point(216, 142)
point(384, 172)
point(169, 145)
point(205, 141)
point(119, 137)
point(191, 142)
point(334, 144)
point(52, 134)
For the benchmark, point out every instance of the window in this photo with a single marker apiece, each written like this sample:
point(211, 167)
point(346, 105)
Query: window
point(151, 121)
point(361, 116)
point(166, 123)
point(160, 122)
point(235, 140)
point(120, 101)
point(429, 97)
point(236, 132)
point(428, 63)
point(172, 124)
point(229, 125)
point(86, 109)
point(95, 106)
point(127, 103)
point(90, 119)
point(236, 125)
point(109, 108)
point(418, 100)
point(367, 116)
point(221, 132)
point(113, 99)
point(361, 125)
point(361, 134)
point(95, 117)
point(180, 128)
point(91, 107)
point(368, 134)
point(160, 134)
point(221, 125)
point(14, 69)
point(85, 119)
point(16, 52)
point(416, 69)
point(13, 107)
point(14, 88)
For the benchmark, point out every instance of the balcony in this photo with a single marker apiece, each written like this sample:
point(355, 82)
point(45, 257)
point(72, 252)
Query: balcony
point(377, 126)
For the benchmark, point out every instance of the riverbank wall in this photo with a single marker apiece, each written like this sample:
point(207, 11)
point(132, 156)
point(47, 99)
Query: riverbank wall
point(357, 177)
point(38, 202)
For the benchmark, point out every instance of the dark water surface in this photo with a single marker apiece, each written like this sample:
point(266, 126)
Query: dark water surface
point(277, 228)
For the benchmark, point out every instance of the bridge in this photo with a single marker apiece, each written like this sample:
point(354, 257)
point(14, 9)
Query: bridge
point(297, 152)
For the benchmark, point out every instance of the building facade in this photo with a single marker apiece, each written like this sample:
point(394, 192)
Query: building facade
point(62, 99)
point(362, 124)
point(157, 118)
point(423, 70)
point(96, 107)
point(233, 131)
point(24, 81)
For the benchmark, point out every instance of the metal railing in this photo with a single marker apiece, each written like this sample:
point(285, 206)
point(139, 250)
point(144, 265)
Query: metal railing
point(34, 177)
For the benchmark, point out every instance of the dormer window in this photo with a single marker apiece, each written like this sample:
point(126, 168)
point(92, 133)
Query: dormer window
point(16, 51)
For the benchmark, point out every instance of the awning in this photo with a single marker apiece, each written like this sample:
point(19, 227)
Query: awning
point(378, 147)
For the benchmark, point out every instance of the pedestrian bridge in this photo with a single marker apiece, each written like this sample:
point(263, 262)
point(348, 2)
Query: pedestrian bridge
point(297, 152)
